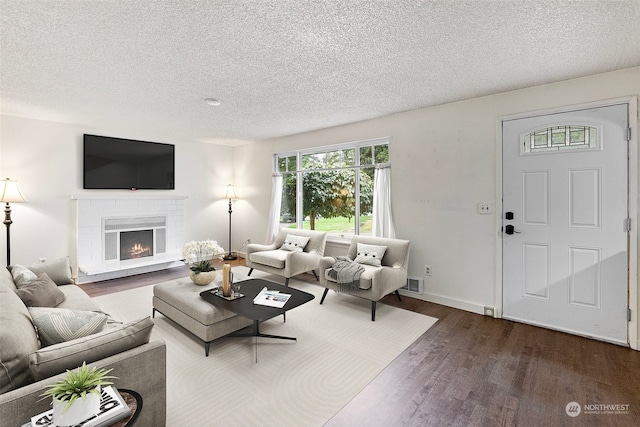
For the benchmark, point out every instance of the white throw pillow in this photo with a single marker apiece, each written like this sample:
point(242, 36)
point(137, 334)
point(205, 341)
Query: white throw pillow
point(370, 254)
point(22, 275)
point(294, 243)
point(56, 325)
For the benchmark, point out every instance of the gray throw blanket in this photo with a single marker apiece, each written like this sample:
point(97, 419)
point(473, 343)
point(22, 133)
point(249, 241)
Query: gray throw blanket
point(346, 273)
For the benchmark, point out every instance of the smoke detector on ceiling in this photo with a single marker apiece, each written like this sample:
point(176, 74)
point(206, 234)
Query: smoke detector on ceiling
point(213, 102)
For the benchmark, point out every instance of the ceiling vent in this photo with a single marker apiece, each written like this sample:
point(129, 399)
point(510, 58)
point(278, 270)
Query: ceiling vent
point(415, 286)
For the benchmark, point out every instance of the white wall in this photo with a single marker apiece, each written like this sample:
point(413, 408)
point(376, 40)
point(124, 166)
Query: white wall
point(443, 163)
point(46, 159)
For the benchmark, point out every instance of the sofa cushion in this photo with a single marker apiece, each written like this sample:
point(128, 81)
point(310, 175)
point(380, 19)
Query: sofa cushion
point(17, 337)
point(366, 278)
point(57, 358)
point(294, 243)
point(56, 325)
point(370, 254)
point(40, 292)
point(275, 258)
point(58, 270)
point(77, 299)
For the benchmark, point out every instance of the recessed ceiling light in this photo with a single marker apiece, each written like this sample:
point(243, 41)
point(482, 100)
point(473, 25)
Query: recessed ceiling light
point(213, 102)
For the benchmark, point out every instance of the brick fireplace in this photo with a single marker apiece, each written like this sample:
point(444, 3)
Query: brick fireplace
point(118, 237)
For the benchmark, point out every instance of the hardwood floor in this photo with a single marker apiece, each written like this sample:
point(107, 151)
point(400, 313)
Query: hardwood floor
point(116, 285)
point(472, 370)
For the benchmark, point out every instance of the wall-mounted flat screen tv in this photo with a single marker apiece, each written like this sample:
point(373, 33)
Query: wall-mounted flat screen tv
point(116, 163)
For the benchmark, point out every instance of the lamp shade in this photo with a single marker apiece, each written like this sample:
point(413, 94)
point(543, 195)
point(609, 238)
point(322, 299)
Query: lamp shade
point(231, 192)
point(10, 192)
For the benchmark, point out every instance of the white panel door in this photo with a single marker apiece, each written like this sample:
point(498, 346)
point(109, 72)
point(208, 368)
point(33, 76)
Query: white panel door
point(565, 248)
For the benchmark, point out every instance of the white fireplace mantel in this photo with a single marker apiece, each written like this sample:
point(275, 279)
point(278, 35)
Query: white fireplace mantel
point(93, 210)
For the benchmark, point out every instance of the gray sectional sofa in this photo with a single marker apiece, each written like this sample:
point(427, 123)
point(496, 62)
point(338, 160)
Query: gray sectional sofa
point(28, 361)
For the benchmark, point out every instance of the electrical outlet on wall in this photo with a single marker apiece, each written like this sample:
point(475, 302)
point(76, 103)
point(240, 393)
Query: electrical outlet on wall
point(485, 208)
point(427, 270)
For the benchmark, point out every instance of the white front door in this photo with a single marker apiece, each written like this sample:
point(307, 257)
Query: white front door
point(565, 215)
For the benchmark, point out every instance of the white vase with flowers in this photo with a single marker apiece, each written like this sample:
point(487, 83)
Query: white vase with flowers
point(199, 255)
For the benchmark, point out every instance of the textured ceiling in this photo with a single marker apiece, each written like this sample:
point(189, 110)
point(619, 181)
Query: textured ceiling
point(290, 66)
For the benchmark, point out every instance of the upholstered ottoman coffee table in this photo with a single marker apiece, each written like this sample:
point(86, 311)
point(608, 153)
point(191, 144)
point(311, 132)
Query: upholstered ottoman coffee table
point(180, 301)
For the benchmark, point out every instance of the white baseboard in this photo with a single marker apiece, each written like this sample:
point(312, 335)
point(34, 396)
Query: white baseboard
point(449, 302)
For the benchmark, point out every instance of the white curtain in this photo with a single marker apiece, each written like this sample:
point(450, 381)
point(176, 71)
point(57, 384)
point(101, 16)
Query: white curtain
point(382, 220)
point(274, 210)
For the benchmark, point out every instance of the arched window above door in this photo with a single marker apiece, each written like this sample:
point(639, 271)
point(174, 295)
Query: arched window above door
point(560, 138)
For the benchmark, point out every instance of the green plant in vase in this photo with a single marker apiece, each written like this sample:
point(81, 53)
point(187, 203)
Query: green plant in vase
point(82, 384)
point(202, 273)
point(202, 267)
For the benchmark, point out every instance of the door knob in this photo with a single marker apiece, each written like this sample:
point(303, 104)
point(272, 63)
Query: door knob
point(510, 229)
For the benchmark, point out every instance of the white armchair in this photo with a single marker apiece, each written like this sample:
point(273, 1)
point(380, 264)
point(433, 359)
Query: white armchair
point(291, 260)
point(375, 282)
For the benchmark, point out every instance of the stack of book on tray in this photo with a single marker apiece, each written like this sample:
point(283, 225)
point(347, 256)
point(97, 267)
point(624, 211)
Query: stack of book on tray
point(112, 409)
point(271, 298)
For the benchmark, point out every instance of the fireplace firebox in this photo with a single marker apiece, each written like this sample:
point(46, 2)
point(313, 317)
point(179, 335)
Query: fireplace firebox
point(134, 238)
point(136, 244)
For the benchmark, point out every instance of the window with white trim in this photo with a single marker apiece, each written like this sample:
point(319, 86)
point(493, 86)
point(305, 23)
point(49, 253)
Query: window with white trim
point(331, 188)
point(560, 138)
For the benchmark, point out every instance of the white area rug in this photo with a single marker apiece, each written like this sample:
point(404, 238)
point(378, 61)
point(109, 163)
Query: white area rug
point(304, 383)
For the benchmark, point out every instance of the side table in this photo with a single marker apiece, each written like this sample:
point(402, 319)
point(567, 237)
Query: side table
point(134, 401)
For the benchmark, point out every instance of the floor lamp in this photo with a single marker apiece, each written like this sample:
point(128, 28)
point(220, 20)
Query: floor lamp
point(231, 195)
point(9, 193)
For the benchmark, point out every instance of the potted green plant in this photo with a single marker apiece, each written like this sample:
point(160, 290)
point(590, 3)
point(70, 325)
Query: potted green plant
point(202, 273)
point(76, 397)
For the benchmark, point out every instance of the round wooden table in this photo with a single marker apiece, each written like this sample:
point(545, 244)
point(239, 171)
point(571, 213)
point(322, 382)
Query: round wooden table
point(134, 401)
